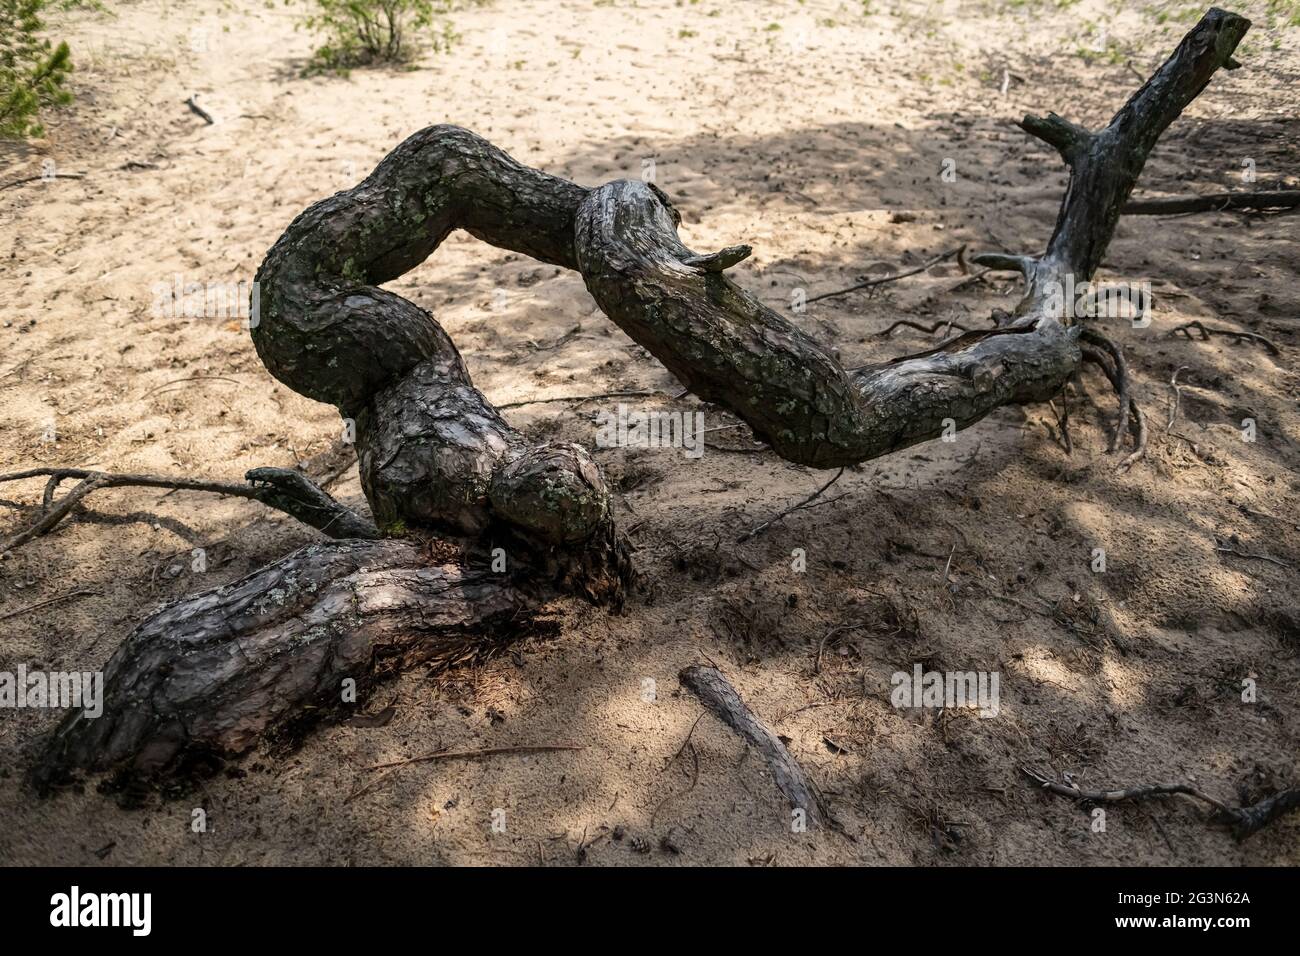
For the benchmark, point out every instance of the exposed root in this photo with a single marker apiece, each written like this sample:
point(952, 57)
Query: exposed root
point(883, 280)
point(1206, 331)
point(299, 641)
point(1119, 378)
point(1243, 820)
point(927, 329)
point(1108, 357)
point(798, 506)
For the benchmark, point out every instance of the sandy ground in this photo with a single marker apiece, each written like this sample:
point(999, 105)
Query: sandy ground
point(819, 135)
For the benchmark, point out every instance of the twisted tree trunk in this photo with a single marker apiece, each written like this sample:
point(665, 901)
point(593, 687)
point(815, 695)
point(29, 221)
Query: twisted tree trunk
point(213, 673)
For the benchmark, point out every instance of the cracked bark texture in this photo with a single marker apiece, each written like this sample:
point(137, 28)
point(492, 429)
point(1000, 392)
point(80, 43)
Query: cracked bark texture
point(205, 678)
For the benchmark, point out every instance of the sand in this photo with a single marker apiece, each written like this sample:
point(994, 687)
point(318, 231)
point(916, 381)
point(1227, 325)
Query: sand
point(818, 135)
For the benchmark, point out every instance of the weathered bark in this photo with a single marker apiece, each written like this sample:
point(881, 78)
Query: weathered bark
point(205, 678)
point(433, 451)
point(213, 673)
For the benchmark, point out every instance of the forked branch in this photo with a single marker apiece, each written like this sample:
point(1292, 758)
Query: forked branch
point(281, 488)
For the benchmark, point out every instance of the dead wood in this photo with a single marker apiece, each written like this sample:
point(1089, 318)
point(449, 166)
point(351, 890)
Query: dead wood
point(199, 111)
point(219, 670)
point(1243, 820)
point(281, 488)
point(300, 641)
point(716, 693)
point(44, 177)
point(1205, 331)
point(1216, 202)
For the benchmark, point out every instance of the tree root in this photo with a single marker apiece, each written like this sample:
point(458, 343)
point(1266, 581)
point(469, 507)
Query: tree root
point(300, 641)
point(807, 502)
point(1108, 357)
point(1236, 335)
point(927, 329)
point(872, 283)
point(1243, 820)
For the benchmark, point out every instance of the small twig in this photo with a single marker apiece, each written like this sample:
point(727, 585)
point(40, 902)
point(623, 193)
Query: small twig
point(1050, 612)
point(41, 178)
point(1269, 199)
point(1063, 422)
point(948, 564)
point(562, 340)
point(199, 111)
point(930, 330)
point(54, 600)
point(1244, 820)
point(473, 754)
point(291, 492)
point(1253, 557)
point(581, 398)
point(372, 785)
point(971, 279)
point(1143, 792)
point(54, 515)
point(821, 646)
point(192, 378)
point(759, 529)
point(695, 777)
point(871, 283)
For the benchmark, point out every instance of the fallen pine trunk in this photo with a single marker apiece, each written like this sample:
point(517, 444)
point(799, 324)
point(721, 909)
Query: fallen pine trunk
point(300, 640)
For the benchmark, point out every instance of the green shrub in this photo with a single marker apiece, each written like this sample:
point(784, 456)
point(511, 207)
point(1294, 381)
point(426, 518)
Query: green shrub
point(365, 32)
point(32, 70)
